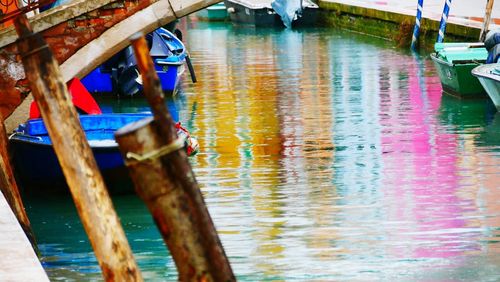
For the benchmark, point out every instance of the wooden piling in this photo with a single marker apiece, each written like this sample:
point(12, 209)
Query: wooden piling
point(10, 190)
point(487, 20)
point(75, 157)
point(164, 179)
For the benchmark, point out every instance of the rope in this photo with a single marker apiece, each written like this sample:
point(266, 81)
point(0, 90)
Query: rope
point(167, 149)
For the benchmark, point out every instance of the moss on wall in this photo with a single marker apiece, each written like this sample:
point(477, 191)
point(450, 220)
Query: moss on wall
point(393, 26)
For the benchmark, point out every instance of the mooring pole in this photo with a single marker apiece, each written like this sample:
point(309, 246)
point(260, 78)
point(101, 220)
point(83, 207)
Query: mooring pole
point(444, 19)
point(165, 181)
point(487, 20)
point(10, 190)
point(416, 29)
point(75, 157)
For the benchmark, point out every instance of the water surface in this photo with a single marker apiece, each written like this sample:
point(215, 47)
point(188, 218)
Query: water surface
point(325, 156)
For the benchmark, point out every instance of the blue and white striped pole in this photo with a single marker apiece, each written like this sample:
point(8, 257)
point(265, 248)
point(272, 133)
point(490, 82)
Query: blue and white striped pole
point(416, 29)
point(444, 19)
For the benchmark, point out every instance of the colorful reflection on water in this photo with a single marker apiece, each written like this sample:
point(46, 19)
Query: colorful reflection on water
point(325, 155)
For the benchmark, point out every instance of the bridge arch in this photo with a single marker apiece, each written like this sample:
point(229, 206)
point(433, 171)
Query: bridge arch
point(83, 35)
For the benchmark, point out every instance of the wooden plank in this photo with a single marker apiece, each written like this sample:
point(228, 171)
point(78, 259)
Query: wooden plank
point(18, 261)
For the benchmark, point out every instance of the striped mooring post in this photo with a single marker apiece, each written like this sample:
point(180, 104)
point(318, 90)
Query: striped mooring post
point(416, 29)
point(444, 19)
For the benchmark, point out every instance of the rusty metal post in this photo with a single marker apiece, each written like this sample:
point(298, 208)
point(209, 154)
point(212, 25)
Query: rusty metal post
point(10, 190)
point(75, 157)
point(486, 20)
point(165, 181)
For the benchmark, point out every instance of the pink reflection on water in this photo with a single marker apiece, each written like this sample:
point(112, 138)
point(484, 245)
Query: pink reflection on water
point(421, 164)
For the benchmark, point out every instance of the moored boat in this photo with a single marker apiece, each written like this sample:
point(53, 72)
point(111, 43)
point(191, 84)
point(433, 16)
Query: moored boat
point(37, 168)
point(489, 77)
point(120, 73)
point(215, 12)
point(454, 63)
point(260, 13)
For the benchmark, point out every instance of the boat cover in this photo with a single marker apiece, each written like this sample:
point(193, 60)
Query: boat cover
point(159, 48)
point(113, 122)
point(288, 10)
point(463, 52)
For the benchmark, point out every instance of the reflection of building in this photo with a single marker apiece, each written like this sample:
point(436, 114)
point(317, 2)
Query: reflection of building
point(427, 191)
point(318, 152)
point(239, 134)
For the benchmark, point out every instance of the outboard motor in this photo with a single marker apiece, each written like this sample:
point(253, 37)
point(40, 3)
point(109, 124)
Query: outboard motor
point(129, 80)
point(492, 44)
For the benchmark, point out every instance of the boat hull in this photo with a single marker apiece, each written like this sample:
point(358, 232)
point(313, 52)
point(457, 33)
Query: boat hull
point(169, 76)
point(265, 16)
point(457, 80)
point(215, 12)
point(37, 169)
point(490, 81)
point(43, 174)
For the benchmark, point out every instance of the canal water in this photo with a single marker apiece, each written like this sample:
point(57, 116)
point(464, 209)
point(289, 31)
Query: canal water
point(325, 156)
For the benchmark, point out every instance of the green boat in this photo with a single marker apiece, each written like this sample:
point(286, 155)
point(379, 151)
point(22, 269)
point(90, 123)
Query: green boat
point(454, 63)
point(215, 12)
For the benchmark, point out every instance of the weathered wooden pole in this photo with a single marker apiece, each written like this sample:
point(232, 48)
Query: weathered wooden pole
point(165, 181)
point(9, 187)
point(487, 20)
point(75, 157)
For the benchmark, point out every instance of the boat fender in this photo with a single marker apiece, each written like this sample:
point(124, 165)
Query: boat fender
point(494, 55)
point(231, 10)
point(492, 39)
point(492, 44)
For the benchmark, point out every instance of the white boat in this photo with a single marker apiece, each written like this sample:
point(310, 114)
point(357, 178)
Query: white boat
point(273, 13)
point(489, 76)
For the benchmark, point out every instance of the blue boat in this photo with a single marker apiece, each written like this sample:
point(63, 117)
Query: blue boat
point(120, 74)
point(37, 168)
